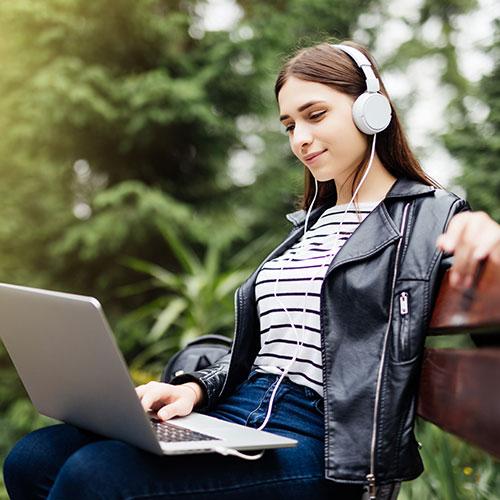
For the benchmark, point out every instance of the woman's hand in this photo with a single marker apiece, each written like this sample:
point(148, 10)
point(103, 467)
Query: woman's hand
point(169, 400)
point(471, 237)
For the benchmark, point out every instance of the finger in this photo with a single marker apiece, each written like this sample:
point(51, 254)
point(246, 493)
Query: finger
point(147, 401)
point(172, 410)
point(464, 267)
point(448, 241)
point(144, 389)
point(154, 399)
point(495, 254)
point(483, 250)
point(488, 245)
point(479, 239)
point(465, 259)
point(488, 248)
point(140, 390)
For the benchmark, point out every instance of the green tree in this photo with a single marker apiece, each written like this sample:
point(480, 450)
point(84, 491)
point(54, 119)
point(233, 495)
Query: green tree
point(476, 141)
point(126, 90)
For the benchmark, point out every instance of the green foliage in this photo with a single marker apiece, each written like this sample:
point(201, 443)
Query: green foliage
point(123, 86)
point(476, 142)
point(453, 469)
point(195, 300)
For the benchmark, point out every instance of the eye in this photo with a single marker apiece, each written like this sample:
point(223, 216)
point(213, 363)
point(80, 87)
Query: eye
point(317, 115)
point(312, 116)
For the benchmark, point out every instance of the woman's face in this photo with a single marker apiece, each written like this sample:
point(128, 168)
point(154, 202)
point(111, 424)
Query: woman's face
point(322, 134)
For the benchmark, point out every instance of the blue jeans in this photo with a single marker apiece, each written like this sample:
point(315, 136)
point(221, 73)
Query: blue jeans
point(64, 462)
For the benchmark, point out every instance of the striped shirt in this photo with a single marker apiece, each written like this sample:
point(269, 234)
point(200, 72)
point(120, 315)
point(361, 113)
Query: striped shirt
point(293, 281)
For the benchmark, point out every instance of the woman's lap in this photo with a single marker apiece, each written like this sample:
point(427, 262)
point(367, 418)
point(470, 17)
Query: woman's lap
point(79, 465)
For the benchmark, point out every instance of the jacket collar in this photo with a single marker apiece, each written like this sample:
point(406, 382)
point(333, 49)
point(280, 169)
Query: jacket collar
point(408, 188)
point(402, 188)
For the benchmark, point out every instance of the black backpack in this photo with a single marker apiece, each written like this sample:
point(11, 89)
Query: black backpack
point(198, 354)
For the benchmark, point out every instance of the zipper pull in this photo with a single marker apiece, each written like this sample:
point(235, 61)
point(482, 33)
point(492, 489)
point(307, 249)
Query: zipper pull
point(372, 489)
point(403, 303)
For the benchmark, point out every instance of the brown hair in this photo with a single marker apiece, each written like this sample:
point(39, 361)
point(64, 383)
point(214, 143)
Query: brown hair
point(331, 66)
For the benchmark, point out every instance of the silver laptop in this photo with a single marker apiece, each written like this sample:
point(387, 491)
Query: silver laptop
point(72, 369)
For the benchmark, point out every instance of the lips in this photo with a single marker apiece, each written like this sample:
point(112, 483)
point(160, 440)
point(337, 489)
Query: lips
point(312, 156)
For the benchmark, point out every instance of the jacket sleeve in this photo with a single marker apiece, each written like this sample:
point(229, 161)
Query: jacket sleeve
point(210, 379)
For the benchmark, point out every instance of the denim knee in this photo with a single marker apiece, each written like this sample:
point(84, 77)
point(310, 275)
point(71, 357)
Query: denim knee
point(76, 479)
point(33, 464)
point(21, 470)
point(96, 471)
point(11, 469)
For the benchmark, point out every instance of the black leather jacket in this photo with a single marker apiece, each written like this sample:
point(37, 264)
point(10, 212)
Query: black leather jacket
point(376, 301)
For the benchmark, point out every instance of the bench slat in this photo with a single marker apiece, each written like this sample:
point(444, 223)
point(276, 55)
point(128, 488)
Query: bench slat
point(459, 393)
point(475, 310)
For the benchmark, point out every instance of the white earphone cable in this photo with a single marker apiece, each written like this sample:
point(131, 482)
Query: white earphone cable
point(335, 235)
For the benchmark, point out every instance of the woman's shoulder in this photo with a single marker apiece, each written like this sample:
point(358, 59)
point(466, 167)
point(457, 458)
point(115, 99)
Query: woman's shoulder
point(447, 200)
point(437, 209)
point(432, 205)
point(428, 195)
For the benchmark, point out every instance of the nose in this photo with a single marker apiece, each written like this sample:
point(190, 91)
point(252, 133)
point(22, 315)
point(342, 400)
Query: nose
point(302, 137)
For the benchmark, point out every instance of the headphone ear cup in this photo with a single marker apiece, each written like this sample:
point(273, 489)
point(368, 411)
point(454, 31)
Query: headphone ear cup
point(371, 112)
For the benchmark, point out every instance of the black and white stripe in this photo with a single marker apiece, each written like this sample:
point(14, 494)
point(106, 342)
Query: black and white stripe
point(294, 280)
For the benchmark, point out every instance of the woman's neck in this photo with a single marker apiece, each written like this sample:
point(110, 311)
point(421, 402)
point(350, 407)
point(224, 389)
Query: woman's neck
point(376, 185)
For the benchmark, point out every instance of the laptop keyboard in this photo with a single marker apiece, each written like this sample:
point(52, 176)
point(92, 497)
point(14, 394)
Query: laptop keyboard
point(170, 433)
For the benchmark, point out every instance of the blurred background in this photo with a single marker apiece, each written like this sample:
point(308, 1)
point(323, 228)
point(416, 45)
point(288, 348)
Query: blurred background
point(142, 161)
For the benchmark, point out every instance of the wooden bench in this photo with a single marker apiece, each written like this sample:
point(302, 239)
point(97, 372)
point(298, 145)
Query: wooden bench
point(460, 388)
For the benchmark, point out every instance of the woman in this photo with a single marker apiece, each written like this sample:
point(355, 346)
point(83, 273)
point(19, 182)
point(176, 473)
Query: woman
point(329, 329)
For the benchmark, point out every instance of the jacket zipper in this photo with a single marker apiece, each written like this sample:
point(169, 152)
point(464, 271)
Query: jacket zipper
point(403, 303)
point(403, 334)
point(372, 488)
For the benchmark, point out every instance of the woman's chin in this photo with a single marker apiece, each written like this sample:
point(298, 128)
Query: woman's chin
point(322, 173)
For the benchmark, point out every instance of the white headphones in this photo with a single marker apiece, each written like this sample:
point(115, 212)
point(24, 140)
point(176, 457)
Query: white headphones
point(371, 111)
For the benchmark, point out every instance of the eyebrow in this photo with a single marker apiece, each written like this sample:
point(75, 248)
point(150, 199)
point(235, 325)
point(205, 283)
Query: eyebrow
point(301, 108)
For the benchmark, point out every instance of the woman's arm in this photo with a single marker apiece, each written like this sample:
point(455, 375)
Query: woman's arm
point(471, 237)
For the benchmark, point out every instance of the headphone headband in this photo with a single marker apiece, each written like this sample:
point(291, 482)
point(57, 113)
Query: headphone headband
point(372, 83)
